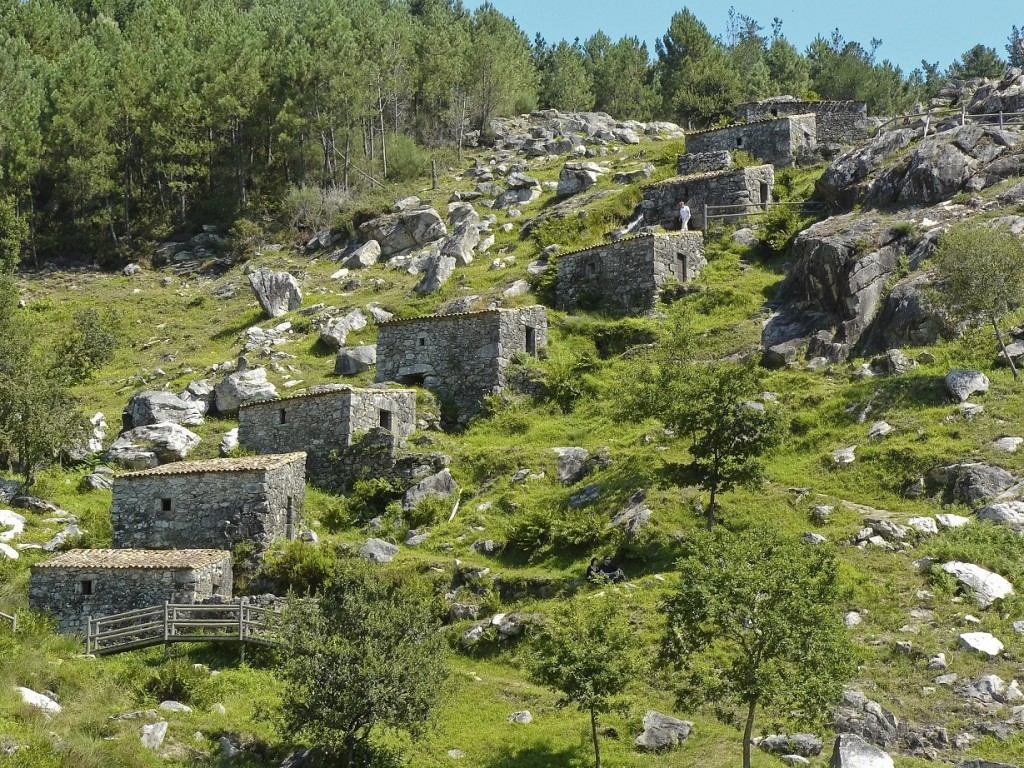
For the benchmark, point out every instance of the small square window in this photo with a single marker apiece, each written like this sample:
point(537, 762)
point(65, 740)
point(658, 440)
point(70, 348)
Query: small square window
point(165, 505)
point(590, 268)
point(86, 586)
point(739, 141)
point(423, 341)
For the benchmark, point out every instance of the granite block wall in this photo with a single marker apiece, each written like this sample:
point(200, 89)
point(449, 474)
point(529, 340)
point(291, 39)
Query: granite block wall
point(749, 188)
point(837, 122)
point(779, 141)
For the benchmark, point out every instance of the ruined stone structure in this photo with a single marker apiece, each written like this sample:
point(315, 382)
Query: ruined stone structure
point(627, 276)
point(836, 122)
point(323, 421)
point(703, 162)
point(462, 357)
point(749, 188)
point(83, 583)
point(780, 141)
point(217, 503)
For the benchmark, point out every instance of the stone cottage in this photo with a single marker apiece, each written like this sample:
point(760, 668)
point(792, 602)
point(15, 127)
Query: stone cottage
point(83, 583)
point(780, 141)
point(836, 122)
point(323, 421)
point(749, 189)
point(627, 276)
point(216, 503)
point(462, 357)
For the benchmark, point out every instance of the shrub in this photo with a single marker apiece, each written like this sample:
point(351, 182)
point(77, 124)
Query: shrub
point(300, 567)
point(406, 159)
point(568, 378)
point(178, 680)
point(779, 226)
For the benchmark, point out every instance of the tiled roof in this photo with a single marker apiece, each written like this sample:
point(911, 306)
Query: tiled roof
point(477, 313)
point(752, 122)
point(697, 233)
point(708, 175)
point(241, 464)
point(341, 389)
point(156, 559)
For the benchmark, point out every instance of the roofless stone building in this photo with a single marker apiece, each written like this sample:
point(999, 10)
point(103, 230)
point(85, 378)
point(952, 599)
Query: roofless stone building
point(324, 422)
point(627, 276)
point(81, 583)
point(216, 503)
point(836, 122)
point(747, 189)
point(462, 357)
point(780, 141)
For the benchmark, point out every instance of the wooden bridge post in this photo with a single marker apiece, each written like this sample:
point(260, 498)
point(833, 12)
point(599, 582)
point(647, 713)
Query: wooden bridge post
point(242, 602)
point(88, 635)
point(167, 631)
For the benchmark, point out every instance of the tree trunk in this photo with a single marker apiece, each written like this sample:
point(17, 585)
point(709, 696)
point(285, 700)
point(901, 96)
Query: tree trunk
point(1002, 346)
point(383, 134)
point(747, 731)
point(593, 734)
point(709, 516)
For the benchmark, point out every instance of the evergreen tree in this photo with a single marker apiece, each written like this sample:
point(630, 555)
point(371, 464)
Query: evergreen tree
point(788, 71)
point(979, 61)
point(1015, 47)
point(565, 82)
point(624, 80)
point(502, 78)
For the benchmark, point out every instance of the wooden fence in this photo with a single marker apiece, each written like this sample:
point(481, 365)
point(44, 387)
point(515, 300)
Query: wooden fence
point(171, 623)
point(734, 213)
point(933, 117)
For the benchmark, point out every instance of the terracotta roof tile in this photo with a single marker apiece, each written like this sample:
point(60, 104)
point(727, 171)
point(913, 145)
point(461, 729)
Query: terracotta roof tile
point(477, 313)
point(241, 464)
point(162, 559)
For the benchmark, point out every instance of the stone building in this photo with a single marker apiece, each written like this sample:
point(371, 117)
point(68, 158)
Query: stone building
point(627, 276)
point(324, 421)
point(836, 122)
point(703, 162)
point(780, 141)
point(462, 357)
point(216, 503)
point(750, 189)
point(83, 583)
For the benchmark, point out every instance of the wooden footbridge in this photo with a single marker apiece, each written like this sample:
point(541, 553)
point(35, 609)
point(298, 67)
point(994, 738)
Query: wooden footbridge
point(172, 623)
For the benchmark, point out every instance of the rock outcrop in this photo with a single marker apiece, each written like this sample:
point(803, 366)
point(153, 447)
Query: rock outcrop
point(277, 292)
point(402, 231)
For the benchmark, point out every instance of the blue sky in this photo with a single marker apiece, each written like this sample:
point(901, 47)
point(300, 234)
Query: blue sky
point(910, 30)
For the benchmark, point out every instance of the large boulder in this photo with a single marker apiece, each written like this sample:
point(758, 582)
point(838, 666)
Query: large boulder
point(461, 243)
point(844, 181)
point(985, 586)
point(352, 360)
point(909, 317)
point(441, 485)
point(277, 292)
point(971, 482)
point(803, 744)
point(853, 751)
point(1008, 513)
point(436, 272)
point(200, 394)
point(572, 465)
point(39, 701)
point(961, 383)
point(364, 256)
point(336, 330)
point(578, 177)
point(662, 732)
point(405, 230)
point(149, 446)
point(634, 517)
point(521, 189)
point(981, 642)
point(378, 551)
point(243, 387)
point(152, 407)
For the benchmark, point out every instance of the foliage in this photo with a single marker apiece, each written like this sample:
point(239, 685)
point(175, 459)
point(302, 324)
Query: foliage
point(13, 233)
point(539, 531)
point(566, 82)
point(587, 651)
point(979, 61)
point(755, 623)
point(981, 271)
point(299, 567)
point(87, 346)
point(364, 660)
point(567, 378)
point(177, 680)
point(779, 225)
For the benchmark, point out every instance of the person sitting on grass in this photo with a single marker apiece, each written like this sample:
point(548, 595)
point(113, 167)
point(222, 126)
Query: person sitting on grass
point(593, 570)
point(610, 571)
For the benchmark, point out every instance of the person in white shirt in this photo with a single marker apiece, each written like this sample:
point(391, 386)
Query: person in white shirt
point(684, 216)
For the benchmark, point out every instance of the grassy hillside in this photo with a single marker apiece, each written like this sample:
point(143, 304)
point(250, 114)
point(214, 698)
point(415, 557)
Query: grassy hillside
point(173, 330)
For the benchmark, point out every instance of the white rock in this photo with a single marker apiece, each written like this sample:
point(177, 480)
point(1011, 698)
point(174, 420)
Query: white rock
point(1008, 444)
point(13, 522)
point(153, 735)
point(852, 618)
point(1009, 513)
point(175, 706)
point(986, 586)
point(852, 751)
point(522, 718)
point(38, 700)
point(879, 429)
point(843, 456)
point(961, 383)
point(924, 525)
point(981, 642)
point(952, 521)
point(8, 551)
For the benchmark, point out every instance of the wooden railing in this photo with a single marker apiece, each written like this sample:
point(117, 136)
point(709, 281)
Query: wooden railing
point(943, 116)
point(731, 213)
point(172, 623)
point(9, 618)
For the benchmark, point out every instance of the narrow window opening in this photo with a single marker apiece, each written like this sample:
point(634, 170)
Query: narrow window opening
point(764, 195)
point(385, 419)
point(531, 341)
point(282, 416)
point(590, 269)
point(422, 341)
point(739, 141)
point(165, 505)
point(775, 113)
point(87, 586)
point(216, 589)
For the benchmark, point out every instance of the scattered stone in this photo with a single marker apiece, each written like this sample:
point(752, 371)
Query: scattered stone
point(456, 754)
point(228, 748)
point(572, 464)
point(472, 635)
point(131, 270)
point(879, 429)
point(938, 661)
point(633, 518)
point(336, 330)
point(229, 442)
point(853, 751)
point(925, 526)
point(146, 447)
point(587, 495)
point(523, 718)
point(62, 538)
point(852, 618)
point(947, 520)
point(987, 587)
point(1009, 513)
point(277, 292)
point(803, 744)
point(578, 177)
point(39, 701)
point(200, 394)
point(364, 256)
point(961, 383)
point(518, 288)
point(402, 231)
point(821, 514)
point(378, 551)
point(981, 642)
point(13, 522)
point(1008, 444)
point(844, 456)
point(947, 680)
point(243, 387)
point(813, 538)
point(441, 484)
point(153, 735)
point(662, 732)
point(174, 706)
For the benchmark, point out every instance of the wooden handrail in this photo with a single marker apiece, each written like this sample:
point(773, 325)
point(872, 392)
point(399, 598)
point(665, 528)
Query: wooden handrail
point(173, 622)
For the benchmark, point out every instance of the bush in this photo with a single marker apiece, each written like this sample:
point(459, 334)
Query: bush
point(568, 378)
point(313, 208)
point(538, 532)
point(178, 680)
point(779, 226)
point(300, 567)
point(406, 159)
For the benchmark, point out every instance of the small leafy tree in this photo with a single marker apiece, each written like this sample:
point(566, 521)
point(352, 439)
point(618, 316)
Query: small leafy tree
point(755, 624)
point(366, 658)
point(587, 650)
point(981, 275)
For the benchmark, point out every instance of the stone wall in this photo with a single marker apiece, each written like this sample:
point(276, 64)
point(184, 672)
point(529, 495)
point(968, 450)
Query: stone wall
point(703, 162)
point(217, 503)
point(779, 141)
point(748, 187)
point(626, 276)
point(462, 357)
point(322, 422)
point(837, 122)
point(82, 583)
